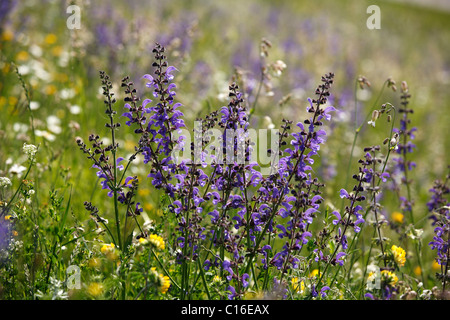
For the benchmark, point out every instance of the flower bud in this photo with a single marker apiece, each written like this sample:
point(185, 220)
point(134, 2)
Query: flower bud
point(404, 86)
point(375, 115)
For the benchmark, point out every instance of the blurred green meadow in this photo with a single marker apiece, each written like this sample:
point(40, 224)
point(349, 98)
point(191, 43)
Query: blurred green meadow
point(50, 94)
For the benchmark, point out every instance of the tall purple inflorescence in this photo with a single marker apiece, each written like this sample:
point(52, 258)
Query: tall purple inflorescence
point(300, 201)
point(221, 181)
point(439, 206)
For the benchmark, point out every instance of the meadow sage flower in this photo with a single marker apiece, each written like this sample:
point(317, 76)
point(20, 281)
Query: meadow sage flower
point(439, 206)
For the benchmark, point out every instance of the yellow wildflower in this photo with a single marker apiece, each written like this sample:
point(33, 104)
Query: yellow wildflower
point(397, 217)
point(110, 251)
point(314, 273)
point(107, 248)
point(399, 255)
point(435, 266)
point(7, 35)
point(418, 271)
point(50, 89)
point(50, 38)
point(157, 241)
point(8, 217)
point(217, 279)
point(57, 51)
point(22, 56)
point(148, 207)
point(163, 282)
point(389, 277)
point(95, 289)
point(143, 241)
point(144, 192)
point(94, 262)
point(298, 287)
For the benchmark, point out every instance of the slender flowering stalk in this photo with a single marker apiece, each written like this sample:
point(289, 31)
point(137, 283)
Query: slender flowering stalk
point(374, 189)
point(362, 82)
point(351, 217)
point(405, 146)
point(439, 206)
point(382, 175)
point(108, 164)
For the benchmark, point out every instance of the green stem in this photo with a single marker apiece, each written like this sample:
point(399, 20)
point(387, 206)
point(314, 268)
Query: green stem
point(366, 265)
point(165, 270)
point(358, 130)
point(252, 110)
point(390, 148)
point(203, 279)
point(17, 191)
